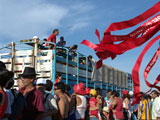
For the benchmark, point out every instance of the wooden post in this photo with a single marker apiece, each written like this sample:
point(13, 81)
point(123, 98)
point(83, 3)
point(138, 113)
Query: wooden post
point(13, 56)
point(35, 41)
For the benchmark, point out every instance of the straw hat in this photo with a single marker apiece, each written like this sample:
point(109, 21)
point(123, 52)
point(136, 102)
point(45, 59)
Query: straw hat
point(106, 109)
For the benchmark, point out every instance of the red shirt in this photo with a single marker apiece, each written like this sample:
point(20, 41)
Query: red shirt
point(56, 81)
point(51, 38)
point(3, 107)
point(92, 103)
point(119, 109)
point(34, 104)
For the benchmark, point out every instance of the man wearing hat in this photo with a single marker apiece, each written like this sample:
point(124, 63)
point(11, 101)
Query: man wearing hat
point(34, 98)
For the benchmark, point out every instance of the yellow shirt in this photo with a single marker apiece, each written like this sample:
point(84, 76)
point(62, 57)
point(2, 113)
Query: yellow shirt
point(146, 110)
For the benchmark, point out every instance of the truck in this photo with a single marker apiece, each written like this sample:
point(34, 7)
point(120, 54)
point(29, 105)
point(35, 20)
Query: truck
point(47, 62)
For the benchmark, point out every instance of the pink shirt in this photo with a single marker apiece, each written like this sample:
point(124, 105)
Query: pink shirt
point(119, 109)
point(92, 103)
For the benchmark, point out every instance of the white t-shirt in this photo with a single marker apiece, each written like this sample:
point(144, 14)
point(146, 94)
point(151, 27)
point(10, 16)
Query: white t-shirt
point(158, 107)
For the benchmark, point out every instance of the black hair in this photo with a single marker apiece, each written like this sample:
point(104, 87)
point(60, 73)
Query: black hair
point(155, 92)
point(62, 38)
point(2, 66)
point(74, 47)
point(148, 96)
point(61, 86)
point(144, 96)
point(5, 76)
point(90, 56)
point(109, 90)
point(58, 75)
point(67, 87)
point(99, 91)
point(45, 39)
point(49, 85)
point(9, 84)
point(55, 30)
point(115, 93)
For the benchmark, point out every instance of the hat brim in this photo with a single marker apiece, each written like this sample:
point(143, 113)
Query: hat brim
point(82, 92)
point(25, 75)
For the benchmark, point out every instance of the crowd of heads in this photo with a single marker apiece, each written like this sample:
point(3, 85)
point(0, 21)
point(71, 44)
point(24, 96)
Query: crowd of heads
point(67, 100)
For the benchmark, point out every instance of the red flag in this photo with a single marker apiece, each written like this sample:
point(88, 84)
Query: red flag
point(130, 41)
point(135, 70)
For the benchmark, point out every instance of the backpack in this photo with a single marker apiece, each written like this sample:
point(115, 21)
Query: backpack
point(18, 105)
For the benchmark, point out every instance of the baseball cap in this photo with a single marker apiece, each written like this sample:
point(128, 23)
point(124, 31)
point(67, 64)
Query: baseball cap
point(41, 81)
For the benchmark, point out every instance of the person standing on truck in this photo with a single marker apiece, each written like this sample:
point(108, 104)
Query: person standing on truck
point(52, 38)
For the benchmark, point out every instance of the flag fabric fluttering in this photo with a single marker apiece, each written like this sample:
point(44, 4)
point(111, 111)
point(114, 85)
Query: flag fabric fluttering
point(108, 46)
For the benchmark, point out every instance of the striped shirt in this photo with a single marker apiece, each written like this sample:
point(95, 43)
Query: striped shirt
point(146, 110)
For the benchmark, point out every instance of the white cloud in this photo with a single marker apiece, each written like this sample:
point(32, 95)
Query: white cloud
point(82, 7)
point(79, 26)
point(20, 20)
point(25, 19)
point(80, 17)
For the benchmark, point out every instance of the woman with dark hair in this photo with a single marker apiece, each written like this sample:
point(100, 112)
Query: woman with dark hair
point(58, 78)
point(5, 76)
point(117, 106)
point(72, 103)
point(72, 52)
point(100, 101)
point(125, 98)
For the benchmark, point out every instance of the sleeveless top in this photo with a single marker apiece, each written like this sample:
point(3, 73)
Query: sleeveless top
point(80, 110)
point(92, 103)
point(3, 107)
point(119, 109)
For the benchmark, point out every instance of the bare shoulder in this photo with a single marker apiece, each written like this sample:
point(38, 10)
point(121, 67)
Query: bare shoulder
point(63, 98)
point(114, 101)
point(78, 99)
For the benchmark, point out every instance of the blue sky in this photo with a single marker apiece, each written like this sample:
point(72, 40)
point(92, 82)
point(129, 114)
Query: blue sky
point(76, 20)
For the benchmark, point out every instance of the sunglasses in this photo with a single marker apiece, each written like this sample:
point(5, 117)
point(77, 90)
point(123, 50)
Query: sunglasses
point(99, 97)
point(56, 88)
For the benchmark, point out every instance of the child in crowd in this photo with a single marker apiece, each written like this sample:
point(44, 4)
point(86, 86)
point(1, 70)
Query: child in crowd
point(94, 107)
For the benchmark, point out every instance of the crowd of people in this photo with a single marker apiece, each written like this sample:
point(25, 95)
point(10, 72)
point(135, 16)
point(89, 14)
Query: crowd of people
point(34, 101)
point(52, 43)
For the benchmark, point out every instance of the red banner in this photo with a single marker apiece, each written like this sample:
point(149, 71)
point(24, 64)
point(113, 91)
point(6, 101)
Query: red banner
point(135, 70)
point(107, 46)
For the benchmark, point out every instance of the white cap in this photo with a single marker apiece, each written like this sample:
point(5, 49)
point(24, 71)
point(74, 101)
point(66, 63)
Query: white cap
point(41, 81)
point(131, 93)
point(35, 37)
